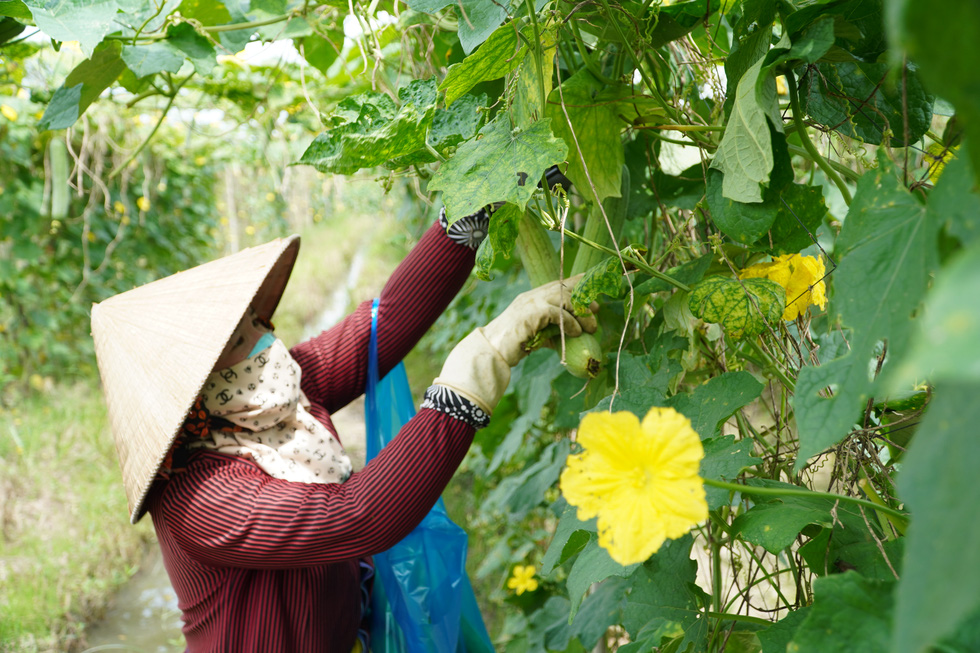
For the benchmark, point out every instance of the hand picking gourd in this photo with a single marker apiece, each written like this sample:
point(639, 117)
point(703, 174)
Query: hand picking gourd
point(583, 357)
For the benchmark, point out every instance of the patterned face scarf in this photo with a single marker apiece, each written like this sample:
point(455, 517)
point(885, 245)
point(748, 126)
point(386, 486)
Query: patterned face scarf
point(261, 398)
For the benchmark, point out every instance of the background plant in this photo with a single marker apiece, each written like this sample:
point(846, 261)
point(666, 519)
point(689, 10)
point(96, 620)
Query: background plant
point(702, 138)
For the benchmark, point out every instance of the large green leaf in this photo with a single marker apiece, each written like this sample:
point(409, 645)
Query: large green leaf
point(858, 28)
point(85, 21)
point(776, 637)
point(860, 100)
point(500, 55)
point(664, 601)
point(745, 154)
point(195, 45)
point(152, 58)
point(606, 278)
point(774, 523)
point(82, 86)
point(501, 165)
point(477, 20)
point(946, 72)
point(571, 536)
point(369, 131)
point(955, 203)
point(666, 23)
point(742, 307)
point(887, 250)
point(946, 346)
point(710, 404)
point(592, 565)
point(941, 572)
point(849, 613)
point(15, 9)
point(597, 131)
point(600, 610)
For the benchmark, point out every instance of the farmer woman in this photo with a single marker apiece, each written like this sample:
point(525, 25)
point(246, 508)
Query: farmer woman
point(224, 436)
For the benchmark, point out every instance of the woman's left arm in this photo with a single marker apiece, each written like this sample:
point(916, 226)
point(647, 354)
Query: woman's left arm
point(335, 363)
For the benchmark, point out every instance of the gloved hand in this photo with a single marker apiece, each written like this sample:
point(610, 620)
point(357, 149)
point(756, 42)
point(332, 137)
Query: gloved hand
point(478, 368)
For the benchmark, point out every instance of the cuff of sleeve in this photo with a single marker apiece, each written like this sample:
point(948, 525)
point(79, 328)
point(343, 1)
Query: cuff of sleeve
point(469, 230)
point(446, 400)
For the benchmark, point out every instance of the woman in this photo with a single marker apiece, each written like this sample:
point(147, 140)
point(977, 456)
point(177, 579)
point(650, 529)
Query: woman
point(225, 437)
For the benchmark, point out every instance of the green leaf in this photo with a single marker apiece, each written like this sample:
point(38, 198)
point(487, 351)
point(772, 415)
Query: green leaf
point(849, 613)
point(83, 86)
point(196, 46)
point(642, 381)
point(955, 203)
point(85, 21)
point(742, 307)
point(592, 565)
point(599, 611)
point(941, 571)
point(597, 130)
point(500, 240)
point(946, 346)
point(774, 524)
point(816, 39)
point(710, 404)
point(9, 29)
point(858, 27)
point(477, 20)
point(955, 78)
point(15, 9)
point(370, 131)
point(531, 85)
point(745, 154)
point(861, 101)
point(674, 21)
point(606, 278)
point(500, 55)
point(501, 164)
point(724, 459)
point(777, 637)
point(571, 536)
point(664, 600)
point(428, 6)
point(152, 58)
point(887, 251)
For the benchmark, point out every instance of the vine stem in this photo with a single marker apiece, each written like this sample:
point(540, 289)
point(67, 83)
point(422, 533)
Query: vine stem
point(807, 494)
point(727, 616)
point(156, 127)
point(641, 265)
point(794, 101)
point(771, 365)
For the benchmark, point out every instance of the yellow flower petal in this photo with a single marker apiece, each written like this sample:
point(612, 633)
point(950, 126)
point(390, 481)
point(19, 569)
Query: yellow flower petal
point(143, 204)
point(8, 112)
point(800, 276)
point(640, 480)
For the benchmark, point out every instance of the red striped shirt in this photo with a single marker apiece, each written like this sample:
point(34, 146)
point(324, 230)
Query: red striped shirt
point(261, 564)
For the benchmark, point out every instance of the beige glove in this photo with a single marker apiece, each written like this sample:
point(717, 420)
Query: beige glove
point(478, 368)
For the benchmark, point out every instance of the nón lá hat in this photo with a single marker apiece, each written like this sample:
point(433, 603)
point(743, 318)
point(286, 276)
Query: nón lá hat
point(157, 344)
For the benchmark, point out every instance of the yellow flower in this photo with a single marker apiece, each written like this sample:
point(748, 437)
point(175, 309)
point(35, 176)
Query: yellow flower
point(801, 276)
point(119, 207)
point(640, 480)
point(270, 197)
point(8, 112)
point(143, 204)
point(523, 579)
point(781, 88)
point(250, 230)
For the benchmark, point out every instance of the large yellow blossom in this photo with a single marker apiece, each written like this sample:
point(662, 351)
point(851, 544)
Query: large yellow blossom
point(640, 480)
point(801, 276)
point(523, 579)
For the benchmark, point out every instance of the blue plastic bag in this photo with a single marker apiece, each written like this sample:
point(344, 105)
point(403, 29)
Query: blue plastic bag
point(422, 600)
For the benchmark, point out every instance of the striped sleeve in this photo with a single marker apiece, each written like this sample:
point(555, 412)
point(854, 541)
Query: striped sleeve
point(334, 363)
point(225, 511)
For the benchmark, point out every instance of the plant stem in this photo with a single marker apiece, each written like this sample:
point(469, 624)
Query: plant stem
point(770, 365)
point(727, 616)
point(804, 493)
point(794, 100)
point(640, 265)
point(853, 175)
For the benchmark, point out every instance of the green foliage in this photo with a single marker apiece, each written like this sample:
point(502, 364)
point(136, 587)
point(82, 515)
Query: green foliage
point(700, 178)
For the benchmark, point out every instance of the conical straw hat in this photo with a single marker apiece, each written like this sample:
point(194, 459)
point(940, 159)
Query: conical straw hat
point(157, 344)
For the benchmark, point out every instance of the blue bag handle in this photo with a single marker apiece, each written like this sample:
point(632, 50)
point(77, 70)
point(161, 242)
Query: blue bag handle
point(424, 602)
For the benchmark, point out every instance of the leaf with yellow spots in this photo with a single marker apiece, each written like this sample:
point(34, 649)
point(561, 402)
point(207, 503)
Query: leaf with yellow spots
point(742, 308)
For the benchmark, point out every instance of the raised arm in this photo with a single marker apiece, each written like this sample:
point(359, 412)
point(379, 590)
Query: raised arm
point(334, 363)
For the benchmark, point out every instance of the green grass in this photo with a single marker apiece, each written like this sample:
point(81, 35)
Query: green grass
point(65, 538)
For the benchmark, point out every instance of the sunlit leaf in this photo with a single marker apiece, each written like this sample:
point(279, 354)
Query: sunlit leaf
point(152, 58)
point(196, 46)
point(85, 21)
point(745, 154)
point(500, 55)
point(741, 307)
point(82, 86)
point(501, 164)
point(606, 278)
point(477, 20)
point(597, 132)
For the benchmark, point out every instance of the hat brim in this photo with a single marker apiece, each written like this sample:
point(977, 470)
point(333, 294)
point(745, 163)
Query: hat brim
point(157, 344)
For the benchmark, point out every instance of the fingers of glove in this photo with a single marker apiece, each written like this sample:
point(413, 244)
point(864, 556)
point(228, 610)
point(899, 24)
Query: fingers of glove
point(565, 318)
